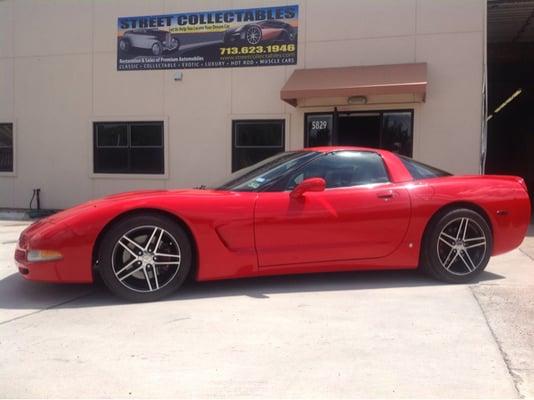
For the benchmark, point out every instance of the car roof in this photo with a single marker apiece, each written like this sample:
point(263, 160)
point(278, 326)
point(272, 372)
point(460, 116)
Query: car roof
point(397, 172)
point(328, 149)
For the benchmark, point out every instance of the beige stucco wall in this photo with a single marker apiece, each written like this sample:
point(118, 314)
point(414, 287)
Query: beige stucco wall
point(58, 74)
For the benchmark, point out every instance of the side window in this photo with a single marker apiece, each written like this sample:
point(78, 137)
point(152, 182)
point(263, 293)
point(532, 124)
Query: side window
point(343, 169)
point(422, 171)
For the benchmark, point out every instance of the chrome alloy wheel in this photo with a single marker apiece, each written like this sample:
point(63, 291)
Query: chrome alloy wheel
point(146, 258)
point(253, 35)
point(461, 246)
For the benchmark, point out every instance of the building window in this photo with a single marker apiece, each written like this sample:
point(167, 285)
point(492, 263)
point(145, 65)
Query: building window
point(128, 148)
point(390, 130)
point(6, 147)
point(256, 140)
point(397, 132)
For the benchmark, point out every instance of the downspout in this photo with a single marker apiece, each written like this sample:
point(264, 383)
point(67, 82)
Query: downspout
point(484, 127)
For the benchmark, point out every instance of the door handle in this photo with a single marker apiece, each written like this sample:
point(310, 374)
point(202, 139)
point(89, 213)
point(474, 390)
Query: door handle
point(385, 195)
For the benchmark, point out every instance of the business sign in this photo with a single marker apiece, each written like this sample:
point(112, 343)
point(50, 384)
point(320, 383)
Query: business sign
point(209, 39)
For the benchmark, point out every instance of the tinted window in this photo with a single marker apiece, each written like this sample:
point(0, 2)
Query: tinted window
point(6, 147)
point(273, 24)
point(422, 171)
point(343, 169)
point(319, 129)
point(146, 135)
point(128, 147)
point(397, 132)
point(110, 135)
point(255, 140)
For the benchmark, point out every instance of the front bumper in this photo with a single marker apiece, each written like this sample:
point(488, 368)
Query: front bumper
point(234, 37)
point(41, 271)
point(170, 46)
point(75, 266)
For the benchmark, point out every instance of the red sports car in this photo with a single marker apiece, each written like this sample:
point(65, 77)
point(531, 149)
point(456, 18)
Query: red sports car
point(314, 210)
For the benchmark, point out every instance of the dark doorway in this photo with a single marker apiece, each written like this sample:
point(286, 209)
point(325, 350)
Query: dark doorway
point(359, 130)
point(510, 123)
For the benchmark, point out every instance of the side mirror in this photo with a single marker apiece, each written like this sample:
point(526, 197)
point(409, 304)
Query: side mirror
point(308, 185)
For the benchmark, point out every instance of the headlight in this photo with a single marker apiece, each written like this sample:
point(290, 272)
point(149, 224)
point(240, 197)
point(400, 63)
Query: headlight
point(43, 255)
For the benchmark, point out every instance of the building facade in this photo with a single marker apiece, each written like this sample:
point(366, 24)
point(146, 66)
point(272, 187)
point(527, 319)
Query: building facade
point(79, 123)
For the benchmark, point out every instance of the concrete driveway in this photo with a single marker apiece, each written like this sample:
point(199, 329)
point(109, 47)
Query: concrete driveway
point(387, 334)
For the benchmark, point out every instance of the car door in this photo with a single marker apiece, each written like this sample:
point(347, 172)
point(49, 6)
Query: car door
point(360, 214)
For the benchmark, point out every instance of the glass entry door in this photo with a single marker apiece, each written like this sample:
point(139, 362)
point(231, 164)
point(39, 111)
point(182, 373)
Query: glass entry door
point(390, 130)
point(361, 129)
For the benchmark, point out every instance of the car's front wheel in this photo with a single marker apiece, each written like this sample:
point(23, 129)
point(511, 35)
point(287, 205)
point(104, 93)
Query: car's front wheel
point(157, 49)
point(175, 44)
point(145, 257)
point(457, 246)
point(124, 45)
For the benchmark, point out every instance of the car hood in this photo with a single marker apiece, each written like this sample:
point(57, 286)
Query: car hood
point(129, 197)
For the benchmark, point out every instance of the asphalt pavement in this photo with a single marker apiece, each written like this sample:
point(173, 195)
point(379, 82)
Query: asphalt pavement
point(339, 335)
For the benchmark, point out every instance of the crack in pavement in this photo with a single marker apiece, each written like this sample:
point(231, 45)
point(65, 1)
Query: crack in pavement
point(515, 377)
point(48, 308)
point(525, 253)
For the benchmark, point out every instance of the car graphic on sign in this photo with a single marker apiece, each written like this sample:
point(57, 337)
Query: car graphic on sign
point(263, 31)
point(150, 39)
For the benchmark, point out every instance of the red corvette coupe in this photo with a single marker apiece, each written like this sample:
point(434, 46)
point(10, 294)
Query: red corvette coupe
point(314, 210)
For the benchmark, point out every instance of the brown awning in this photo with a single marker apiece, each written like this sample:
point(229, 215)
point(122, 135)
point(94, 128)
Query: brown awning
point(356, 81)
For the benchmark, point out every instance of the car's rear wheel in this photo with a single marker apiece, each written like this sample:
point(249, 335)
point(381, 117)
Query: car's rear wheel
point(457, 246)
point(145, 257)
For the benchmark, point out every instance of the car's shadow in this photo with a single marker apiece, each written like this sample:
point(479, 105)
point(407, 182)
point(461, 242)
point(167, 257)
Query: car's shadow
point(19, 294)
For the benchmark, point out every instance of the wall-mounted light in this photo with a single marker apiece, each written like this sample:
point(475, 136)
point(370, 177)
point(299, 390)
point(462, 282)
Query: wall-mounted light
point(178, 76)
point(359, 100)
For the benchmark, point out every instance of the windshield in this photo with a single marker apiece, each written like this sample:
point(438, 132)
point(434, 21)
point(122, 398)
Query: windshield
point(258, 176)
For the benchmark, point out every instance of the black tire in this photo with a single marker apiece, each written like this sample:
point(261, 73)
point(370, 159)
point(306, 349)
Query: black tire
point(157, 49)
point(177, 41)
point(175, 50)
point(133, 288)
point(288, 36)
point(444, 249)
point(124, 45)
